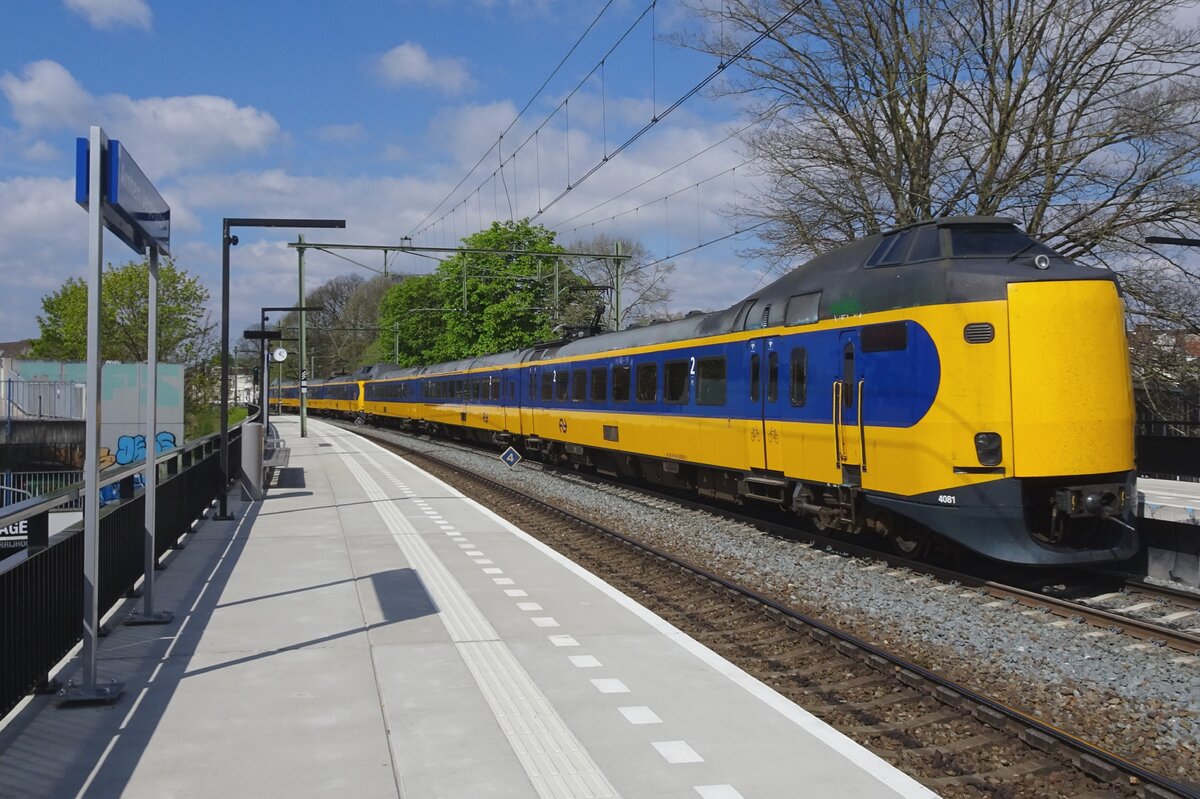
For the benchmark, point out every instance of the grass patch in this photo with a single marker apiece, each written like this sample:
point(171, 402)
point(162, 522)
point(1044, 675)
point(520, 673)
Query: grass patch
point(206, 420)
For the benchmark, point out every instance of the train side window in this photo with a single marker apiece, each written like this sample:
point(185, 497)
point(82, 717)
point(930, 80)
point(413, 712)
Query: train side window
point(752, 319)
point(494, 385)
point(647, 382)
point(799, 376)
point(848, 375)
point(547, 385)
point(512, 389)
point(621, 383)
point(475, 389)
point(710, 383)
point(928, 244)
point(675, 382)
point(740, 322)
point(891, 249)
point(772, 376)
point(885, 337)
point(802, 309)
point(561, 386)
point(599, 384)
point(579, 385)
point(755, 377)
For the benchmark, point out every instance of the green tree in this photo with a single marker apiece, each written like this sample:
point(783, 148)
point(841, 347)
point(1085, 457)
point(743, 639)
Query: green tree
point(184, 332)
point(479, 303)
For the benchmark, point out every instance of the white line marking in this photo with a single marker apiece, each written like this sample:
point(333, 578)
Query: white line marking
point(529, 606)
point(493, 570)
point(610, 685)
point(584, 661)
point(474, 553)
point(717, 792)
point(516, 592)
point(562, 640)
point(503, 580)
point(483, 561)
point(640, 714)
point(524, 714)
point(544, 621)
point(677, 752)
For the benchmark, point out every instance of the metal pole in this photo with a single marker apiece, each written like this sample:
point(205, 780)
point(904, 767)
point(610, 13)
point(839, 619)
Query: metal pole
point(223, 510)
point(264, 379)
point(89, 691)
point(617, 320)
point(91, 446)
point(150, 476)
point(303, 349)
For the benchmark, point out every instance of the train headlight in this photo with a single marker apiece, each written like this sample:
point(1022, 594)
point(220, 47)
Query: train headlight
point(989, 449)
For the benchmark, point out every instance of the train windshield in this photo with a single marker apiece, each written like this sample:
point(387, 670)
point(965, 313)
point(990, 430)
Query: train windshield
point(994, 241)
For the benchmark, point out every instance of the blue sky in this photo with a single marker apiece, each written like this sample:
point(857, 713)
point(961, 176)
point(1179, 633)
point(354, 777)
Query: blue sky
point(367, 111)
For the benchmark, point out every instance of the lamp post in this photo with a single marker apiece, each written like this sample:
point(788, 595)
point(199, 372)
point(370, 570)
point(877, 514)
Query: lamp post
point(266, 363)
point(228, 240)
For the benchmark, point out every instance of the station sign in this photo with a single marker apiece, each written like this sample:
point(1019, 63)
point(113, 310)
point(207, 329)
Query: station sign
point(132, 208)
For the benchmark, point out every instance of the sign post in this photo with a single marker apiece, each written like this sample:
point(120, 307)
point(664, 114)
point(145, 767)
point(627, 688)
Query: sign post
point(117, 196)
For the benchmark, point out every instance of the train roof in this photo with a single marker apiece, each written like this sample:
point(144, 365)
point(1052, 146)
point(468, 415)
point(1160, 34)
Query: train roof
point(947, 260)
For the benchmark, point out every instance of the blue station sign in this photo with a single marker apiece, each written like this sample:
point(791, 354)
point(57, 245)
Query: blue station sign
point(132, 208)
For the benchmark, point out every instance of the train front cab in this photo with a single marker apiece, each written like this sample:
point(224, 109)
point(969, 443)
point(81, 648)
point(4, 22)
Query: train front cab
point(1039, 429)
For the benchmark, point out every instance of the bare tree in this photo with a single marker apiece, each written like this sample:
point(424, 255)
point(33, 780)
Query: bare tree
point(640, 281)
point(1079, 118)
point(342, 336)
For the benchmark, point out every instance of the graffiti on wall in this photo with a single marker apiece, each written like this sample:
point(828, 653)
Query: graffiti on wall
point(133, 448)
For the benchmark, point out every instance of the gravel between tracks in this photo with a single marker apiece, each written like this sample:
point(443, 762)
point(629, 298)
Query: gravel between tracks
point(1132, 701)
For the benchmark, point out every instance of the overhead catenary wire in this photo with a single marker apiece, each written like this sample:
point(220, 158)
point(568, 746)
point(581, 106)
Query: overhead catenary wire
point(520, 113)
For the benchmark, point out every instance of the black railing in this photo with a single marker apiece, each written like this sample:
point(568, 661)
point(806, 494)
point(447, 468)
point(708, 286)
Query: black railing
point(1168, 449)
point(41, 588)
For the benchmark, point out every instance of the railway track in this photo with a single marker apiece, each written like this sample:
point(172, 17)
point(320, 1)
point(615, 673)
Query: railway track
point(1152, 615)
point(955, 740)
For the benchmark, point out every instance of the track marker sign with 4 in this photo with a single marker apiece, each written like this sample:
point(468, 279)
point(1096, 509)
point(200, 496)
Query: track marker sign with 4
point(511, 457)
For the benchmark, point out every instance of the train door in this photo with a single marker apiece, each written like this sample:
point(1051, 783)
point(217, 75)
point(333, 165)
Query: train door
point(773, 404)
point(848, 387)
point(756, 448)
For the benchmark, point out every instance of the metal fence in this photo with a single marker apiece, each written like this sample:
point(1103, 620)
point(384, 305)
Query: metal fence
point(1168, 449)
point(18, 486)
point(41, 399)
point(41, 588)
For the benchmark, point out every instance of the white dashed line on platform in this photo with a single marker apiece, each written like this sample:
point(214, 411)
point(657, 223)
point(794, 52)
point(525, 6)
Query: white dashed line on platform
point(503, 580)
point(515, 592)
point(544, 621)
point(677, 752)
point(529, 606)
point(562, 640)
point(717, 792)
point(610, 685)
point(640, 714)
point(584, 661)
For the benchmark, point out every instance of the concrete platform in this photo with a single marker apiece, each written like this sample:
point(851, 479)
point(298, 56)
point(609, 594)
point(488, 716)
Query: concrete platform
point(367, 631)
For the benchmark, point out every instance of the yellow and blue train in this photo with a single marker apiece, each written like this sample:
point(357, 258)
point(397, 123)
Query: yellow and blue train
point(953, 379)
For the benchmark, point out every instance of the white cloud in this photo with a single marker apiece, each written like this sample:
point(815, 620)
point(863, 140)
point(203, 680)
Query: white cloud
point(106, 14)
point(42, 151)
point(340, 133)
point(165, 134)
point(395, 152)
point(410, 64)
